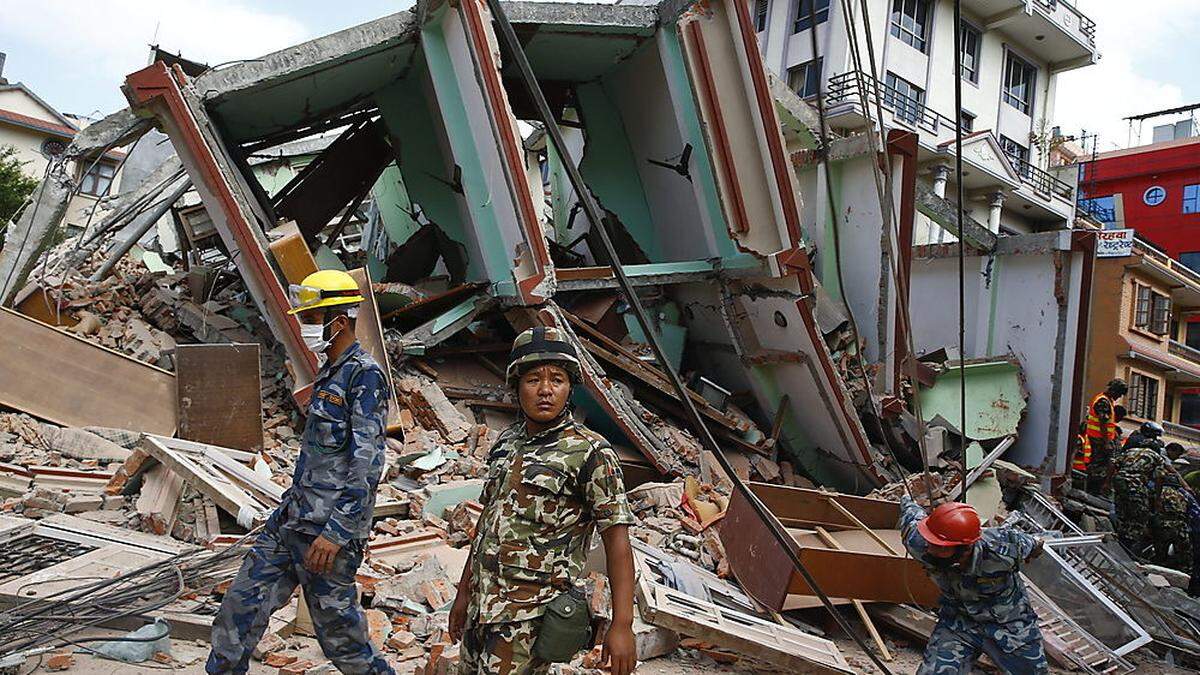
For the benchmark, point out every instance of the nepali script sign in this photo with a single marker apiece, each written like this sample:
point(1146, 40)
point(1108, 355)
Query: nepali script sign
point(1114, 243)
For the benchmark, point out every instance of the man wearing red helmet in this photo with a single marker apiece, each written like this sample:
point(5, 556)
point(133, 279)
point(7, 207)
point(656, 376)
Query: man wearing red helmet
point(983, 608)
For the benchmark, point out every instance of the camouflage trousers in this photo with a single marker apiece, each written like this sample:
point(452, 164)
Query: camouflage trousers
point(272, 570)
point(956, 644)
point(1132, 504)
point(1172, 540)
point(501, 649)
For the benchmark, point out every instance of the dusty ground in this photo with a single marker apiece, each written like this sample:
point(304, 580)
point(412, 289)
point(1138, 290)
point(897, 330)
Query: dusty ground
point(189, 660)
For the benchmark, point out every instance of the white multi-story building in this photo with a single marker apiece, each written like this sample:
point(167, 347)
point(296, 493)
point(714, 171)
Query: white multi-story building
point(1013, 51)
point(1027, 274)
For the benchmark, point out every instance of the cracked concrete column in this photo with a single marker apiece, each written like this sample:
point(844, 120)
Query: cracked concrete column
point(995, 206)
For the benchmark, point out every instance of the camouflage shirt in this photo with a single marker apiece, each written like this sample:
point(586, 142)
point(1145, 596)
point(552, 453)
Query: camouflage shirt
point(545, 494)
point(987, 590)
point(341, 451)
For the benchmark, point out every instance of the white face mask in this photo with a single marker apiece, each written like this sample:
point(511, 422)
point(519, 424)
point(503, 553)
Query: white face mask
point(314, 338)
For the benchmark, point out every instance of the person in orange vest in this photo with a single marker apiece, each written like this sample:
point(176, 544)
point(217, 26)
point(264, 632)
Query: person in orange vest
point(1082, 457)
point(1102, 432)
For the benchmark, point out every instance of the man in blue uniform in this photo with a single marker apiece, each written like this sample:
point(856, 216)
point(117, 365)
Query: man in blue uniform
point(983, 606)
point(316, 538)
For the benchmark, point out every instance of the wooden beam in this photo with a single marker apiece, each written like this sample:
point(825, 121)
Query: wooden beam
point(858, 605)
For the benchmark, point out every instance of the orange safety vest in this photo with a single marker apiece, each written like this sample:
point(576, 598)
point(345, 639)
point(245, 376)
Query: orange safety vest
point(1097, 430)
point(1083, 455)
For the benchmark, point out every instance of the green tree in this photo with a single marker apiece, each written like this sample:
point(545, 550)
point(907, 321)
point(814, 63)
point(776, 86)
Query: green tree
point(15, 186)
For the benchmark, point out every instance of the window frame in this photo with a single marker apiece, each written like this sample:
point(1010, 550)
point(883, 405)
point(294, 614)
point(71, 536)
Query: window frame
point(916, 34)
point(811, 76)
point(91, 173)
point(1142, 399)
point(1194, 198)
point(967, 124)
point(1160, 314)
point(968, 30)
point(1142, 305)
point(1023, 154)
point(1011, 59)
point(801, 21)
point(761, 11)
point(900, 110)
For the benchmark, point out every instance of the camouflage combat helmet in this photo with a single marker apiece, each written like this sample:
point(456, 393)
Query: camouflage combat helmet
point(539, 345)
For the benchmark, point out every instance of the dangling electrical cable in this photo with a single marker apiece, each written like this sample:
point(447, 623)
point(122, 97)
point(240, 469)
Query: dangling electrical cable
point(781, 536)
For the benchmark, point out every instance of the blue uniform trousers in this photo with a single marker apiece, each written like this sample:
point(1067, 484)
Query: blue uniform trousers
point(955, 645)
point(272, 570)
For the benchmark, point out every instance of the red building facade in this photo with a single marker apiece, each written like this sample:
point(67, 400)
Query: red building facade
point(1154, 189)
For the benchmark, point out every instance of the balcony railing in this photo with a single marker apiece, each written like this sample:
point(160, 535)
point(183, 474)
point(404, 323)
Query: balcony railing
point(851, 86)
point(1181, 431)
point(1040, 180)
point(1182, 350)
point(846, 87)
point(1087, 27)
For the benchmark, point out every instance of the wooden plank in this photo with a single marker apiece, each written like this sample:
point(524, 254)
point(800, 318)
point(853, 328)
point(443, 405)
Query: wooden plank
point(858, 605)
point(368, 328)
point(228, 496)
point(292, 254)
point(219, 395)
point(67, 380)
point(158, 502)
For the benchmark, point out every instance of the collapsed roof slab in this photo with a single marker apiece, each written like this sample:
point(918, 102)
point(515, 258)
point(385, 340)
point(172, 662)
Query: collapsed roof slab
point(310, 81)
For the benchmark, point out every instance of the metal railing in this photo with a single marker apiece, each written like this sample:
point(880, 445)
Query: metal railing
point(1039, 179)
point(851, 86)
point(1087, 27)
point(1180, 349)
point(867, 90)
point(1181, 431)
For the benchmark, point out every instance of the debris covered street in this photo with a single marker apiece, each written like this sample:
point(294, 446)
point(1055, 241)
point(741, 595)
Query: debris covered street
point(778, 303)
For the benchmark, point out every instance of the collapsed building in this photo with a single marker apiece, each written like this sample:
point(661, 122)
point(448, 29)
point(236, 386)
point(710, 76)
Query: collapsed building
point(407, 150)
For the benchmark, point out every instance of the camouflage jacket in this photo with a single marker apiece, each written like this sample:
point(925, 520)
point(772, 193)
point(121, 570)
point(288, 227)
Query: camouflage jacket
point(544, 496)
point(986, 592)
point(1141, 469)
point(341, 451)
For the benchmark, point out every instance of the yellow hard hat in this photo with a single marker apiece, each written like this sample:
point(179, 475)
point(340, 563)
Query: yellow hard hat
point(325, 288)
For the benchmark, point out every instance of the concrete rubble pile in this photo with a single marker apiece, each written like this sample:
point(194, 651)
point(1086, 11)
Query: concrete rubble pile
point(152, 401)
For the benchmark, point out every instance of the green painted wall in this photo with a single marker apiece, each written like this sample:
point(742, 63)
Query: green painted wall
point(406, 111)
point(610, 167)
point(702, 169)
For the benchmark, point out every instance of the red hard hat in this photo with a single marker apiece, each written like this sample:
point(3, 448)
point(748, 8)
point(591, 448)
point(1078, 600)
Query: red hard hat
point(951, 524)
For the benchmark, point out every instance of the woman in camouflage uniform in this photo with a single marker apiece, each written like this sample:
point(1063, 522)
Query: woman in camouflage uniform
point(551, 483)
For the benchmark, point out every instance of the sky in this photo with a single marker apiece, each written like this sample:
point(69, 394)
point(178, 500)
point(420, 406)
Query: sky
point(75, 54)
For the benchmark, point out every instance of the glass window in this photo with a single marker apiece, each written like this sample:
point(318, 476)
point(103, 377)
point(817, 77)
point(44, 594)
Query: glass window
point(906, 99)
point(1103, 209)
point(760, 15)
point(1143, 396)
point(1019, 81)
point(1189, 409)
point(1191, 260)
point(1141, 307)
point(97, 178)
point(805, 79)
point(971, 40)
point(1191, 198)
point(1160, 314)
point(910, 22)
point(804, 11)
point(1019, 154)
point(967, 121)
